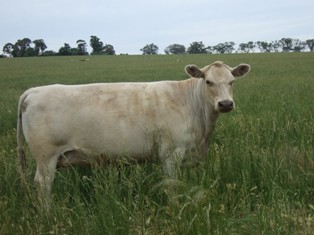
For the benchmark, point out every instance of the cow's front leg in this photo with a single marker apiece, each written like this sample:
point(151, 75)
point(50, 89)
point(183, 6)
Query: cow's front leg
point(172, 163)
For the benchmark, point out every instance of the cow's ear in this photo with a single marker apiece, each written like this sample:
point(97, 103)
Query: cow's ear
point(240, 70)
point(194, 71)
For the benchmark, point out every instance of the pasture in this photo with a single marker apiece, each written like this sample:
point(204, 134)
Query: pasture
point(258, 177)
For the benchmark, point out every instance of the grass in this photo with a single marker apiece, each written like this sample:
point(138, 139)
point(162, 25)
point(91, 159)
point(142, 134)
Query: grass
point(258, 178)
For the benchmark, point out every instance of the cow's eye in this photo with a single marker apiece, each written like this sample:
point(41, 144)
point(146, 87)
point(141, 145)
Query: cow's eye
point(209, 83)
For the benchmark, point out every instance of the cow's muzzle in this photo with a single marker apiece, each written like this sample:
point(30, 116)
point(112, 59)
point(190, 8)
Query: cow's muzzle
point(225, 106)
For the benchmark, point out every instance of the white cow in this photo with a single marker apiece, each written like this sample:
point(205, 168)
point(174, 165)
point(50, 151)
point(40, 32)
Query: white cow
point(168, 120)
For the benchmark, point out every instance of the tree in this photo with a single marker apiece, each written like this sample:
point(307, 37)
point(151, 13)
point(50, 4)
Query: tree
point(40, 46)
point(219, 48)
point(81, 47)
point(23, 48)
point(247, 47)
point(74, 51)
point(20, 47)
point(291, 44)
point(227, 47)
point(150, 49)
point(96, 44)
point(8, 49)
point(251, 46)
point(65, 50)
point(175, 49)
point(108, 50)
point(29, 52)
point(275, 46)
point(209, 50)
point(264, 46)
point(310, 44)
point(197, 48)
point(298, 45)
point(49, 53)
point(244, 47)
point(286, 44)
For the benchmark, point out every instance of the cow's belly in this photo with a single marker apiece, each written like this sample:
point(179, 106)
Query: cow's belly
point(106, 144)
point(78, 158)
point(134, 146)
point(111, 142)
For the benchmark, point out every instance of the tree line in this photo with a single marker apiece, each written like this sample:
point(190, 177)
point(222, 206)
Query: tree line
point(26, 47)
point(282, 45)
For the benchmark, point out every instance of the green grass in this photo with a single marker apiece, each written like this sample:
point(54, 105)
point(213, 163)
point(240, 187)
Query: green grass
point(258, 178)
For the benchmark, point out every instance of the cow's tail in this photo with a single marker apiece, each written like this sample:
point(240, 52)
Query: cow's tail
point(19, 136)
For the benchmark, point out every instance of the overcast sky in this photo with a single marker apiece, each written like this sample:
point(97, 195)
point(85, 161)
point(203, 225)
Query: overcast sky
point(129, 25)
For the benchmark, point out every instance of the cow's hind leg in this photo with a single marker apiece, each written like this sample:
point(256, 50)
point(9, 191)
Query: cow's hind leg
point(45, 174)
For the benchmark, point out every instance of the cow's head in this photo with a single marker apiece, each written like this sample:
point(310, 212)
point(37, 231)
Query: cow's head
point(217, 80)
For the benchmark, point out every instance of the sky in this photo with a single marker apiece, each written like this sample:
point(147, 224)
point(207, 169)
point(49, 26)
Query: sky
point(129, 25)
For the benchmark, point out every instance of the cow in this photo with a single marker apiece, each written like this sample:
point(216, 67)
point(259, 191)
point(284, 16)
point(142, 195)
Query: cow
point(171, 121)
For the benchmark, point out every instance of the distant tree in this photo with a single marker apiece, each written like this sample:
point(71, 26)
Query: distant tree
point(209, 50)
point(247, 47)
point(298, 45)
point(24, 44)
point(74, 51)
point(310, 44)
point(40, 46)
point(175, 49)
point(81, 47)
point(8, 49)
point(219, 48)
point(291, 44)
point(65, 50)
point(96, 44)
point(244, 47)
point(49, 53)
point(251, 46)
point(108, 50)
point(29, 52)
point(275, 45)
point(229, 47)
point(150, 49)
point(226, 47)
point(20, 47)
point(264, 46)
point(197, 48)
point(286, 44)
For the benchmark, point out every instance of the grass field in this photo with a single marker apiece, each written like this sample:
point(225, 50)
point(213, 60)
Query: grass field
point(258, 178)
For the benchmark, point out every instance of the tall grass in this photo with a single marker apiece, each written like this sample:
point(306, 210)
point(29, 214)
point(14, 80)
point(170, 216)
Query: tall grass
point(258, 177)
